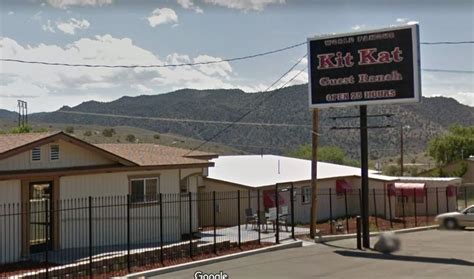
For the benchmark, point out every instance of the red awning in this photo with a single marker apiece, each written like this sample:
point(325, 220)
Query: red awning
point(410, 189)
point(342, 185)
point(451, 191)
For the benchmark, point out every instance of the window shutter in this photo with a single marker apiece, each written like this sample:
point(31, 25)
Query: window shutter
point(54, 152)
point(36, 154)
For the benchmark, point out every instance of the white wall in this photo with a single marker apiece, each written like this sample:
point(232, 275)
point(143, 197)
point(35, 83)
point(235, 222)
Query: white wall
point(10, 220)
point(110, 222)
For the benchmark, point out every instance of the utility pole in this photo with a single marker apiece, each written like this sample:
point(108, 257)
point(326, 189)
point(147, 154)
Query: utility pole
point(314, 168)
point(22, 113)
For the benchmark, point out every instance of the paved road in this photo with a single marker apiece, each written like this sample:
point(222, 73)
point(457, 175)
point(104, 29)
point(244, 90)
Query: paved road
point(435, 253)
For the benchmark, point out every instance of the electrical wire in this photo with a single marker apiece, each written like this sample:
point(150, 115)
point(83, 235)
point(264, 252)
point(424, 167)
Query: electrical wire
point(256, 106)
point(195, 63)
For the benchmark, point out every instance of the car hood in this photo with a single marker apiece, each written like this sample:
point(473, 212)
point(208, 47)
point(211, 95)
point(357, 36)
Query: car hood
point(449, 214)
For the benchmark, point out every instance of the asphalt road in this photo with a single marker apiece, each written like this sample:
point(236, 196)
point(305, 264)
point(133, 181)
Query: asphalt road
point(435, 253)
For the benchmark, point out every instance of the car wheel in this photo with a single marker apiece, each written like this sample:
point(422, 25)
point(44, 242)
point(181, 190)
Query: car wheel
point(450, 224)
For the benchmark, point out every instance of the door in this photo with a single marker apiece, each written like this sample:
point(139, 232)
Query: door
point(467, 218)
point(40, 215)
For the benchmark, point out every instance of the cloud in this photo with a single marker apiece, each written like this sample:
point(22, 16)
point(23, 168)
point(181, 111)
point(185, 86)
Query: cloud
point(189, 5)
point(257, 5)
point(358, 27)
point(70, 26)
point(48, 27)
point(406, 21)
point(54, 86)
point(10, 13)
point(63, 4)
point(162, 16)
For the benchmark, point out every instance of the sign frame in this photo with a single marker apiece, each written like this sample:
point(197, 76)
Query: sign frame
point(416, 68)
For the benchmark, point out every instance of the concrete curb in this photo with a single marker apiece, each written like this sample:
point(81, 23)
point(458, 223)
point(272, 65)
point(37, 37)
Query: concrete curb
point(328, 238)
point(163, 270)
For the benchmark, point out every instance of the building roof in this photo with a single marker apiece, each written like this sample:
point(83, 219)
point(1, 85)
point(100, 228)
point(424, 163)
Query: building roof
point(125, 154)
point(145, 154)
point(428, 179)
point(12, 141)
point(259, 171)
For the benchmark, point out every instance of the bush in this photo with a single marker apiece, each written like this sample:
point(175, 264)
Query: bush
point(130, 138)
point(69, 130)
point(88, 133)
point(21, 129)
point(156, 136)
point(108, 132)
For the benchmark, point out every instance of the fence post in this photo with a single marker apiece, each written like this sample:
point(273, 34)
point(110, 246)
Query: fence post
point(190, 225)
point(277, 221)
point(345, 205)
point(447, 199)
point(437, 202)
point(238, 221)
point(414, 203)
point(330, 211)
point(90, 237)
point(259, 215)
point(375, 208)
point(161, 229)
point(292, 205)
point(214, 220)
point(426, 206)
point(129, 268)
point(465, 196)
point(359, 242)
point(403, 209)
point(47, 225)
point(390, 208)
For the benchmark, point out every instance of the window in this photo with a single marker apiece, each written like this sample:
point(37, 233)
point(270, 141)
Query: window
point(36, 154)
point(306, 195)
point(184, 185)
point(54, 152)
point(144, 190)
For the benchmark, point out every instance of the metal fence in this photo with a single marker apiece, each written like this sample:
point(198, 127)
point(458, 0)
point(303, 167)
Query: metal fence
point(388, 208)
point(116, 235)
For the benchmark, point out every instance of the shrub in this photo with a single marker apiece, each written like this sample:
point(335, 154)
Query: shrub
point(130, 138)
point(88, 133)
point(108, 132)
point(21, 129)
point(69, 130)
point(156, 136)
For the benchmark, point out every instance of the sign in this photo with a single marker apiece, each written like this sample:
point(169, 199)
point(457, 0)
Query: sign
point(363, 68)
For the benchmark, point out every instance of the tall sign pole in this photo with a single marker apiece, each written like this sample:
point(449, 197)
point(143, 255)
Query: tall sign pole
point(364, 174)
point(314, 172)
point(375, 67)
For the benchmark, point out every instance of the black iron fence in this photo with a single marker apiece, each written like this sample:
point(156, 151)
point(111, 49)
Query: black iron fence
point(112, 236)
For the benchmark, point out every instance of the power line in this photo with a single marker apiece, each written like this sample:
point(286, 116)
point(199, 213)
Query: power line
point(448, 43)
point(186, 120)
point(153, 65)
point(449, 71)
point(257, 105)
point(195, 63)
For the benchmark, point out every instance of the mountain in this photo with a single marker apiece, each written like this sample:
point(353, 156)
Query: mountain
point(290, 105)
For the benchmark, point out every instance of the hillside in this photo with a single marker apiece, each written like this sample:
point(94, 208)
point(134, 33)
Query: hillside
point(430, 117)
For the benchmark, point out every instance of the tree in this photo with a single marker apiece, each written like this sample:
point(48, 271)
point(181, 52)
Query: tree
point(330, 154)
point(108, 132)
point(130, 138)
point(69, 130)
point(458, 143)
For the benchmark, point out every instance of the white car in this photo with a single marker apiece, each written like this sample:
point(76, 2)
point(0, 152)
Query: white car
point(453, 220)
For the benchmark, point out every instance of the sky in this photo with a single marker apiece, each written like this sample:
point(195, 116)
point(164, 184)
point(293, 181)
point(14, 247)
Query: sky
point(182, 31)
